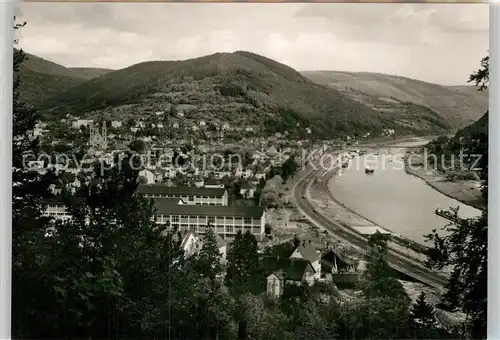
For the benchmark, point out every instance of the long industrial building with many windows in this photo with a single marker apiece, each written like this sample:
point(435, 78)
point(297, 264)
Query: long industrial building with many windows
point(189, 209)
point(225, 221)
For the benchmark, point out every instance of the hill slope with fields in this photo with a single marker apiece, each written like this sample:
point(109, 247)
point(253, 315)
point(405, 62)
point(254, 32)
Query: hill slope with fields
point(458, 105)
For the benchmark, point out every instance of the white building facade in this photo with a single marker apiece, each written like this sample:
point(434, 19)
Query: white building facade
point(225, 221)
point(190, 195)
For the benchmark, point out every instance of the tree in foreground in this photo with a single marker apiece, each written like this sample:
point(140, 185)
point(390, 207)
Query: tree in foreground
point(481, 77)
point(422, 319)
point(382, 312)
point(378, 279)
point(243, 264)
point(30, 254)
point(465, 246)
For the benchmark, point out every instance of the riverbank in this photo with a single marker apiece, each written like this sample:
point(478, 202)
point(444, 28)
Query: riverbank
point(329, 206)
point(379, 142)
point(465, 191)
point(350, 218)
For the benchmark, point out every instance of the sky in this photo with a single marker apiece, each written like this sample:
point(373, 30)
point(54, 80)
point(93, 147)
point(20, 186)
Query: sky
point(438, 43)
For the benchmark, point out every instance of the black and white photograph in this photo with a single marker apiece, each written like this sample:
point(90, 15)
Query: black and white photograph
point(257, 171)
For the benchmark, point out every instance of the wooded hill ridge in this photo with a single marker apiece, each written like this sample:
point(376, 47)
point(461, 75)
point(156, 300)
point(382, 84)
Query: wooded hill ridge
point(241, 88)
point(458, 105)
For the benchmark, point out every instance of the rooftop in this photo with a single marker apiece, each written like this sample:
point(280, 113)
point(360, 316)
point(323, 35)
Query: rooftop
point(167, 206)
point(307, 252)
point(186, 237)
point(181, 191)
point(290, 269)
point(60, 200)
point(220, 241)
point(212, 181)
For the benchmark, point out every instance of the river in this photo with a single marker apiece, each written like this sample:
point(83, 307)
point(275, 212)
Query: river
point(396, 201)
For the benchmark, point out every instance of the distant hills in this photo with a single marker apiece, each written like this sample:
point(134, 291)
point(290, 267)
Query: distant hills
point(475, 130)
point(42, 78)
point(247, 89)
point(88, 73)
point(458, 105)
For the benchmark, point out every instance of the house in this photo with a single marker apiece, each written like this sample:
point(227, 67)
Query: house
point(242, 173)
point(57, 188)
point(35, 165)
point(283, 271)
point(306, 252)
point(191, 195)
point(341, 270)
point(202, 123)
point(198, 182)
point(336, 263)
point(180, 113)
point(81, 122)
point(159, 125)
point(249, 129)
point(260, 175)
point(134, 129)
point(56, 207)
point(213, 183)
point(225, 126)
point(158, 177)
point(175, 125)
point(223, 173)
point(224, 220)
point(148, 175)
point(116, 124)
point(222, 246)
point(169, 172)
point(276, 284)
point(160, 113)
point(191, 243)
point(247, 190)
point(145, 139)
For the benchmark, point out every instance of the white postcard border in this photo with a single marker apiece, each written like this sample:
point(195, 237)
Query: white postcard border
point(6, 77)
